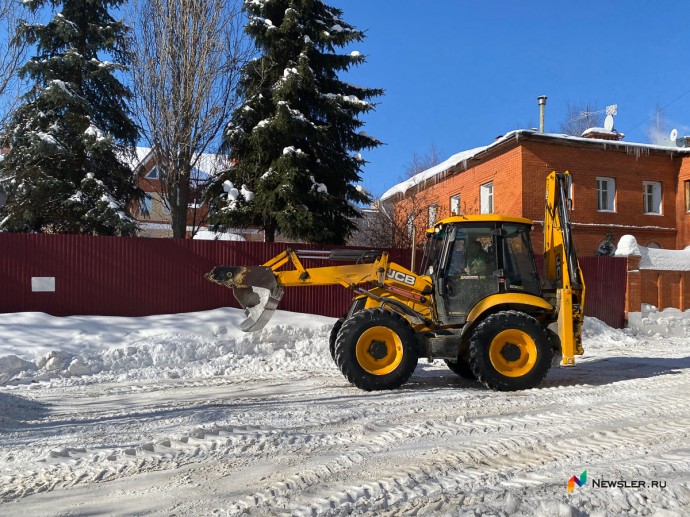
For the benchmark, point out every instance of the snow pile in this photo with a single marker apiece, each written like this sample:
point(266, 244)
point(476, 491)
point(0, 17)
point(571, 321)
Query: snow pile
point(36, 346)
point(652, 258)
point(666, 323)
point(208, 235)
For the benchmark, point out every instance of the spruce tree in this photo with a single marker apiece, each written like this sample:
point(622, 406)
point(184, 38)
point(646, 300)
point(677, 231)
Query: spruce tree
point(66, 170)
point(295, 140)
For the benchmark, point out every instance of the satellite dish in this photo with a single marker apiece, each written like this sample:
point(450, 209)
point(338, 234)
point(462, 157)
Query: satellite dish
point(608, 123)
point(674, 135)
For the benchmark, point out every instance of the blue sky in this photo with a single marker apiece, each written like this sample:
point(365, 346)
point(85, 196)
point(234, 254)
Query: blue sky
point(458, 74)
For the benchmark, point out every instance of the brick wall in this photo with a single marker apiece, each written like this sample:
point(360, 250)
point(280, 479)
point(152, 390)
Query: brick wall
point(682, 215)
point(663, 289)
point(519, 173)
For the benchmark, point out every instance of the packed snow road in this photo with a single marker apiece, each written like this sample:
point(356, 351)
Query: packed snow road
point(190, 417)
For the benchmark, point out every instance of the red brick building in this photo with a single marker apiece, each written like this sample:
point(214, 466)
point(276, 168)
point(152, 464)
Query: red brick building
point(618, 187)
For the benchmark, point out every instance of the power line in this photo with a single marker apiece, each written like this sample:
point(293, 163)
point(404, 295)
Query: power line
point(661, 109)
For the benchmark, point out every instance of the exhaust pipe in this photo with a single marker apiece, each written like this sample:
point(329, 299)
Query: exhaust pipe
point(542, 107)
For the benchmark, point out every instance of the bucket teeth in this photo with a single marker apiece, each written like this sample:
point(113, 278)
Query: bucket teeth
point(255, 289)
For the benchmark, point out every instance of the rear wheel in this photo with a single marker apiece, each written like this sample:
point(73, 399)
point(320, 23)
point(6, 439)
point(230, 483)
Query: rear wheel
point(510, 351)
point(461, 368)
point(375, 350)
point(334, 335)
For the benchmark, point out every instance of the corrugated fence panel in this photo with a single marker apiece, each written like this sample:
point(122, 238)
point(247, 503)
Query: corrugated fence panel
point(138, 277)
point(605, 281)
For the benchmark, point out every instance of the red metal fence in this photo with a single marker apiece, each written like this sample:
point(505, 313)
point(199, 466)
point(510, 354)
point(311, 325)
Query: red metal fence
point(138, 277)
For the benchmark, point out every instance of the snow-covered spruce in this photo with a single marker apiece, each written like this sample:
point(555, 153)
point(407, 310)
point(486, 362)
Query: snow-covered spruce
point(65, 171)
point(296, 140)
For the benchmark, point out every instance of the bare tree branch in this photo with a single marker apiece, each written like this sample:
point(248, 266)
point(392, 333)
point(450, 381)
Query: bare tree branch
point(396, 225)
point(187, 59)
point(12, 56)
point(580, 117)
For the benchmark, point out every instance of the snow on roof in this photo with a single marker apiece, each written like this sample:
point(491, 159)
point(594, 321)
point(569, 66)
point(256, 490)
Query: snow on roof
point(601, 131)
point(652, 258)
point(423, 176)
point(630, 147)
point(206, 166)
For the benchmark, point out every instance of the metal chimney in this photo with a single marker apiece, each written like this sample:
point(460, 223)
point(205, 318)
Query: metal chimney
point(542, 106)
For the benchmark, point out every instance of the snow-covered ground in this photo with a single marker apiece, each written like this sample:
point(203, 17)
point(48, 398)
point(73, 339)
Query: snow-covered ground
point(185, 415)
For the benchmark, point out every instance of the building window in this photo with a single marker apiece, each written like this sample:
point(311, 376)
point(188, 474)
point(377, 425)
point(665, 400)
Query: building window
point(410, 225)
point(433, 209)
point(487, 198)
point(455, 205)
point(606, 194)
point(165, 209)
point(652, 197)
point(153, 173)
point(145, 206)
point(687, 195)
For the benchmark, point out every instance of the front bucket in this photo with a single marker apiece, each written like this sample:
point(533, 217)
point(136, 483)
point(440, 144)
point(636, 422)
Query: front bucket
point(256, 290)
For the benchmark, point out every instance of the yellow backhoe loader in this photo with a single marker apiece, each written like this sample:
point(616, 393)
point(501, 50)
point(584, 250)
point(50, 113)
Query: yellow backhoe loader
point(478, 302)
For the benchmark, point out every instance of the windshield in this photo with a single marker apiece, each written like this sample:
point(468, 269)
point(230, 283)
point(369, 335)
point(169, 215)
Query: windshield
point(432, 250)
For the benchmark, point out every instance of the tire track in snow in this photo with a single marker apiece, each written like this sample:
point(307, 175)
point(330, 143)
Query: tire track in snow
point(365, 435)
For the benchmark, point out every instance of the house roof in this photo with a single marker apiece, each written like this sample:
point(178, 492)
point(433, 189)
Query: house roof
point(206, 166)
point(461, 161)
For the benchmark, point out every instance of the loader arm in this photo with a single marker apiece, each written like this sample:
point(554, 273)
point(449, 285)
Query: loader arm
point(259, 289)
point(562, 269)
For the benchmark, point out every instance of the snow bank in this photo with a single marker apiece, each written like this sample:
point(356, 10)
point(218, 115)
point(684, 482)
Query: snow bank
point(36, 346)
point(666, 323)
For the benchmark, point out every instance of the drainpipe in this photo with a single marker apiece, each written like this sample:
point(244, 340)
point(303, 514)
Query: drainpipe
point(542, 106)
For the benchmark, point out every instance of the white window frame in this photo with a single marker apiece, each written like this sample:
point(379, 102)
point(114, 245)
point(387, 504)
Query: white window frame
point(486, 198)
point(652, 197)
point(455, 204)
point(433, 213)
point(606, 197)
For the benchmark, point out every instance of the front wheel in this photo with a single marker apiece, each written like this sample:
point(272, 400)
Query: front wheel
point(375, 349)
point(510, 351)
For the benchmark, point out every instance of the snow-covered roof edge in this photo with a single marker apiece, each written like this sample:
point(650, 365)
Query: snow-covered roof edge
point(208, 163)
point(464, 156)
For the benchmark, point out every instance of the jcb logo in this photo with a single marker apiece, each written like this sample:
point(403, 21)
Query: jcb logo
point(400, 276)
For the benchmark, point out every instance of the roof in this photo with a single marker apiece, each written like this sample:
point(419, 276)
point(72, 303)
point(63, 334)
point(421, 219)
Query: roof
point(483, 218)
point(462, 160)
point(207, 165)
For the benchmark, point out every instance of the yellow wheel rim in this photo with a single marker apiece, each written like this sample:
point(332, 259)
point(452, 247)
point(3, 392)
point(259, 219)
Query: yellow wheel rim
point(379, 350)
point(513, 353)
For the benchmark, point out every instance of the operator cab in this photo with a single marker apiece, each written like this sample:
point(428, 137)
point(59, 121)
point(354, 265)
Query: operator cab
point(472, 257)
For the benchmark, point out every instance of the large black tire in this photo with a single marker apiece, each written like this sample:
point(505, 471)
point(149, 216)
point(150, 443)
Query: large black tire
point(510, 351)
point(334, 335)
point(375, 350)
point(555, 344)
point(461, 368)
